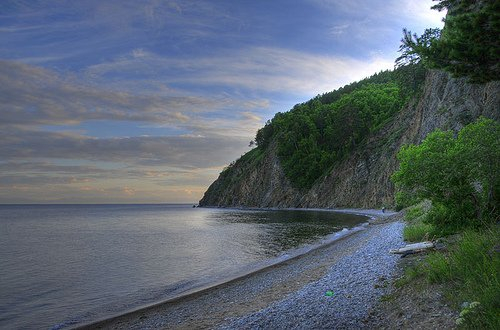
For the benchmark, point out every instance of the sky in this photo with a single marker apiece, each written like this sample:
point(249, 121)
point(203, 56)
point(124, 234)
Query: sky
point(125, 101)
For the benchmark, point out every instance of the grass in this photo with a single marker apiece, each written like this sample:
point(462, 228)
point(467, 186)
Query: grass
point(469, 270)
point(415, 212)
point(418, 232)
point(387, 297)
point(474, 270)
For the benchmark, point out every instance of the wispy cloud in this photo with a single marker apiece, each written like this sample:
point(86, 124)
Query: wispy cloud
point(412, 11)
point(360, 25)
point(189, 151)
point(257, 69)
point(147, 100)
point(34, 180)
point(78, 31)
point(32, 95)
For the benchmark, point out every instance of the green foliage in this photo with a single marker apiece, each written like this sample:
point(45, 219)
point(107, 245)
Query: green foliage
point(417, 229)
point(414, 46)
point(314, 135)
point(467, 46)
point(459, 175)
point(470, 272)
point(249, 160)
point(448, 219)
point(418, 232)
point(437, 268)
point(404, 199)
point(415, 212)
point(473, 271)
point(410, 78)
point(382, 77)
point(264, 135)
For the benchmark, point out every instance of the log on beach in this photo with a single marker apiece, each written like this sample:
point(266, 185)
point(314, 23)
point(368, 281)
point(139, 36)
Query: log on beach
point(412, 248)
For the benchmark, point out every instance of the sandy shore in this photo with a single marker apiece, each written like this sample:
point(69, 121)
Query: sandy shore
point(290, 294)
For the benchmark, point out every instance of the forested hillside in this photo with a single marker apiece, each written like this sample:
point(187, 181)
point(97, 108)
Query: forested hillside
point(339, 149)
point(314, 135)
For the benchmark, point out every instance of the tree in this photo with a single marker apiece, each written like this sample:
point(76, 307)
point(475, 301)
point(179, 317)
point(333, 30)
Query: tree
point(468, 45)
point(264, 135)
point(414, 48)
point(458, 174)
point(314, 135)
point(479, 146)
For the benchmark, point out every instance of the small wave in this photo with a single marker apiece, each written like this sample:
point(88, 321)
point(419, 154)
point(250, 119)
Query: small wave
point(189, 287)
point(65, 324)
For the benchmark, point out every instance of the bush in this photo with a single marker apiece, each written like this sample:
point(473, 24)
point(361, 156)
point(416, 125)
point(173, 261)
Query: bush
point(417, 229)
point(404, 199)
point(458, 174)
point(415, 212)
point(418, 232)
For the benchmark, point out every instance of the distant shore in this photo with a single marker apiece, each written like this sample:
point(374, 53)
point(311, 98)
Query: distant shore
point(354, 268)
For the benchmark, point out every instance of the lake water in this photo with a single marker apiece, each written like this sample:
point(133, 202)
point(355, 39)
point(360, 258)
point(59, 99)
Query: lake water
point(65, 265)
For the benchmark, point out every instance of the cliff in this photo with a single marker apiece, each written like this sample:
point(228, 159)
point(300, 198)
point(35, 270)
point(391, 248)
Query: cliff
point(362, 179)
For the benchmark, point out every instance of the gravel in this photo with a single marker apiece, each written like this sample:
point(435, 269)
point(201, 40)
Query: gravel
point(358, 280)
point(291, 294)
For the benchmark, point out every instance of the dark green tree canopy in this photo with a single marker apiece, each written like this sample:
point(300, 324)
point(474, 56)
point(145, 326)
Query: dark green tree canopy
point(460, 175)
point(413, 46)
point(314, 135)
point(468, 45)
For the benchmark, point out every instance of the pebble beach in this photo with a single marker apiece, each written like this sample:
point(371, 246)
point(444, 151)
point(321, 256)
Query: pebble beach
point(332, 287)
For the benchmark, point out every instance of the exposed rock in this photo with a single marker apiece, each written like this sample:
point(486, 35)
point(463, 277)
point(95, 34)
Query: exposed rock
point(363, 179)
point(250, 184)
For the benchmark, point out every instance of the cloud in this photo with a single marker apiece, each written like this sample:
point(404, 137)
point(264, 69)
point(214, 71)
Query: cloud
point(250, 116)
point(128, 191)
point(32, 95)
point(267, 69)
point(383, 10)
point(420, 11)
point(43, 172)
point(35, 180)
point(339, 29)
point(186, 151)
point(202, 75)
point(361, 25)
point(91, 194)
point(81, 31)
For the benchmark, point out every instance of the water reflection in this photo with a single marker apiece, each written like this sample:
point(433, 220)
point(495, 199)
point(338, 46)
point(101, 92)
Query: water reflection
point(269, 233)
point(62, 263)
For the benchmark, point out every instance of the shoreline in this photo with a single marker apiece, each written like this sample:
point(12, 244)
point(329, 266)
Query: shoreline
point(313, 263)
point(371, 213)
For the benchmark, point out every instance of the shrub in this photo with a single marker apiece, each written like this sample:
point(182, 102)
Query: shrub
point(418, 232)
point(404, 199)
point(414, 212)
point(458, 174)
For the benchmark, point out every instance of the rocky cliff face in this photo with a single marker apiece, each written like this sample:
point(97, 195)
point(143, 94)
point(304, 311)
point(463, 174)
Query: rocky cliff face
point(363, 179)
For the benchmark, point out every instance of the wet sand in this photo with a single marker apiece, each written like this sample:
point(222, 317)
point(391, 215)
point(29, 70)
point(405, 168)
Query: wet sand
point(227, 302)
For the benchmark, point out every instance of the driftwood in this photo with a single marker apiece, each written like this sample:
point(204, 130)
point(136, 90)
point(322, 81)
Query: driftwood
point(412, 248)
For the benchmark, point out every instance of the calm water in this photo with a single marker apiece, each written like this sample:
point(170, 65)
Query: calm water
point(64, 265)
